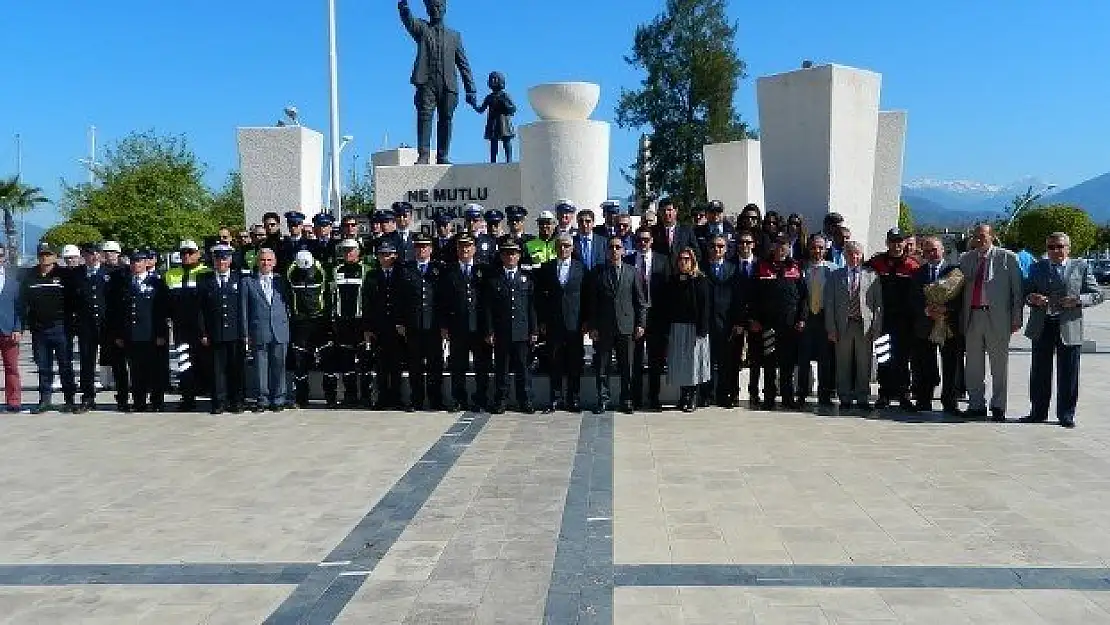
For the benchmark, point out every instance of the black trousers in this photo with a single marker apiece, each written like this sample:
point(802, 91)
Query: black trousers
point(305, 336)
point(227, 373)
point(926, 375)
point(566, 365)
point(388, 367)
point(754, 344)
point(778, 366)
point(654, 347)
point(88, 347)
point(462, 346)
point(894, 374)
point(605, 348)
point(813, 346)
point(1047, 347)
point(512, 356)
point(194, 380)
point(425, 351)
point(138, 373)
point(725, 383)
point(347, 359)
point(430, 100)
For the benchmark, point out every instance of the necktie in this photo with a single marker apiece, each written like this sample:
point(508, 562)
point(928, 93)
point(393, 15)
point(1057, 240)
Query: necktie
point(563, 272)
point(977, 290)
point(932, 273)
point(423, 268)
point(815, 290)
point(268, 288)
point(853, 296)
point(388, 274)
point(670, 236)
point(512, 276)
point(717, 270)
point(744, 267)
point(466, 271)
point(223, 282)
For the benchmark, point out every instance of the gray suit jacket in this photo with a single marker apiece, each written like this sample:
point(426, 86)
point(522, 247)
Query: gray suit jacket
point(837, 294)
point(1002, 283)
point(450, 51)
point(10, 319)
point(616, 306)
point(1078, 281)
point(266, 322)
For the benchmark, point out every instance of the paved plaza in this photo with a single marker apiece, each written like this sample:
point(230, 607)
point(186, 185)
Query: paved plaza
point(717, 517)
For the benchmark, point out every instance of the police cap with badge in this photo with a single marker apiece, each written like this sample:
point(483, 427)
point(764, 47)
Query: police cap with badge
point(514, 212)
point(494, 216)
point(323, 220)
point(611, 207)
point(294, 218)
point(382, 216)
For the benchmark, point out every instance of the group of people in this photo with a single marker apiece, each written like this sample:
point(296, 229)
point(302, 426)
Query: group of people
point(695, 304)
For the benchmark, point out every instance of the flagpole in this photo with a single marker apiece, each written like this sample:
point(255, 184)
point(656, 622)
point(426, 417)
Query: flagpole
point(335, 193)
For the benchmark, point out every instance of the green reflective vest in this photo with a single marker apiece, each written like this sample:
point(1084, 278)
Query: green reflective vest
point(542, 251)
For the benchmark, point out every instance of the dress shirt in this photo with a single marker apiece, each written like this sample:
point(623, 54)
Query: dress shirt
point(564, 272)
point(267, 281)
point(746, 265)
point(816, 288)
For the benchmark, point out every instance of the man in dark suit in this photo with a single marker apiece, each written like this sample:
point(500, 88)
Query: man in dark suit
point(611, 209)
point(385, 325)
point(419, 281)
point(1058, 289)
point(460, 312)
point(90, 284)
point(443, 249)
point(617, 318)
point(721, 274)
point(221, 330)
point(138, 324)
point(559, 306)
point(439, 50)
point(589, 248)
point(670, 237)
point(264, 305)
point(511, 328)
point(926, 376)
point(747, 351)
point(652, 270)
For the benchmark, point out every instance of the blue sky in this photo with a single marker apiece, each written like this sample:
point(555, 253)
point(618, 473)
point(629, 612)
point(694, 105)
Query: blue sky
point(995, 89)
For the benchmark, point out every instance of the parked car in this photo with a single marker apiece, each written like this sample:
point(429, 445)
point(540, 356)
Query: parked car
point(1101, 269)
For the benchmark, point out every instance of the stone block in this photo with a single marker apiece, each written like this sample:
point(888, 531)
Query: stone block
point(282, 170)
point(445, 188)
point(734, 174)
point(890, 147)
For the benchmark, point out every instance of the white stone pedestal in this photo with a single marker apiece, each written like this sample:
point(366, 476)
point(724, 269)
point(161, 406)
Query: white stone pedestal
point(890, 147)
point(565, 155)
point(734, 174)
point(818, 132)
point(444, 188)
point(282, 169)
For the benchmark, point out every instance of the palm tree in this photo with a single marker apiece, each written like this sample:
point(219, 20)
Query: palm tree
point(17, 198)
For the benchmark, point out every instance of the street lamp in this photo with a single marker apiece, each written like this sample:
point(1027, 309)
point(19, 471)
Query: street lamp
point(1030, 199)
point(335, 202)
point(333, 178)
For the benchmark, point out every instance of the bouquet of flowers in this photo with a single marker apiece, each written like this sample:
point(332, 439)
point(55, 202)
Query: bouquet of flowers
point(937, 295)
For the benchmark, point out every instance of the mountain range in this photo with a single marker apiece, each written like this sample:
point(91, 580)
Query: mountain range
point(958, 203)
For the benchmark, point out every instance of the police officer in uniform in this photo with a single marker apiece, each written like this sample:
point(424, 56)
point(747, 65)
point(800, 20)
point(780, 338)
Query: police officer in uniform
point(511, 328)
point(323, 247)
point(222, 331)
point(90, 284)
point(402, 236)
point(461, 324)
point(779, 304)
point(308, 322)
point(611, 209)
point(418, 312)
point(138, 324)
point(184, 302)
point(295, 242)
point(896, 275)
point(443, 248)
point(716, 226)
point(543, 247)
point(346, 357)
point(485, 246)
point(515, 215)
point(385, 327)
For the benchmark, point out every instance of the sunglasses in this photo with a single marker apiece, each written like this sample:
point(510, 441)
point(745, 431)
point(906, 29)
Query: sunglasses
point(645, 240)
point(719, 245)
point(1056, 246)
point(747, 242)
point(616, 247)
point(271, 224)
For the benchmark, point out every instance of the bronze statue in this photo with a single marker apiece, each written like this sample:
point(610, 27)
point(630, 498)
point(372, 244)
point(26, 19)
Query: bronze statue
point(439, 51)
point(499, 123)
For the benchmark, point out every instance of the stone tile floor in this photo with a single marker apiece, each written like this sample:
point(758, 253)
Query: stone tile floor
point(717, 517)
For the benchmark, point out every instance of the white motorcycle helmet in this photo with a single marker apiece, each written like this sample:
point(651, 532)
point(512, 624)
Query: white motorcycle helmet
point(303, 259)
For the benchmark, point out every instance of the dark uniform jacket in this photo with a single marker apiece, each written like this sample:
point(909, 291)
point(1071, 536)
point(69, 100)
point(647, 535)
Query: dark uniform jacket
point(896, 278)
point(137, 312)
point(778, 295)
point(382, 299)
point(418, 295)
point(460, 302)
point(654, 288)
point(510, 312)
point(559, 306)
point(616, 304)
point(221, 319)
point(91, 297)
point(46, 300)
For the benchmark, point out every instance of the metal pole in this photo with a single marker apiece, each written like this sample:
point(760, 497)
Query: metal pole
point(92, 154)
point(19, 179)
point(334, 189)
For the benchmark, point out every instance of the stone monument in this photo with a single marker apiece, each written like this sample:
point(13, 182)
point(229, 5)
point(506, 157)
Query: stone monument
point(890, 144)
point(564, 155)
point(734, 173)
point(439, 52)
point(281, 169)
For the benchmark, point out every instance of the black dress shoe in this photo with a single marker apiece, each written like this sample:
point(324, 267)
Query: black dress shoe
point(528, 409)
point(187, 405)
point(574, 407)
point(332, 403)
point(258, 408)
point(655, 405)
point(549, 409)
point(626, 407)
point(237, 408)
point(882, 403)
point(845, 404)
point(866, 405)
point(1067, 424)
point(953, 411)
point(497, 408)
point(998, 415)
point(976, 413)
point(216, 409)
point(276, 408)
point(1032, 419)
point(824, 400)
point(408, 407)
point(42, 408)
point(599, 408)
point(79, 409)
point(767, 405)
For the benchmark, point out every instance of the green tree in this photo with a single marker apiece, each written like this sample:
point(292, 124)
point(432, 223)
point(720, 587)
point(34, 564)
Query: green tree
point(905, 217)
point(150, 192)
point(1102, 238)
point(16, 198)
point(227, 207)
point(358, 196)
point(1032, 226)
point(686, 99)
point(68, 232)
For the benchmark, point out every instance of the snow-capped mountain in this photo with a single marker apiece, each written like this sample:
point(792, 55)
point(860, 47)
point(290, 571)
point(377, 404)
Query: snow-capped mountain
point(963, 187)
point(970, 195)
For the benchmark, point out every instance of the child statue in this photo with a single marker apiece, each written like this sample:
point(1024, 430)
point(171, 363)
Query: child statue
point(499, 123)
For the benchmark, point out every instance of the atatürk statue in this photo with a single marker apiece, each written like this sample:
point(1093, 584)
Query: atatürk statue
point(439, 50)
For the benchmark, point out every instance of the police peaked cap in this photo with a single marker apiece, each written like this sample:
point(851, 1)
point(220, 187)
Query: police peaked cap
point(294, 218)
point(402, 208)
